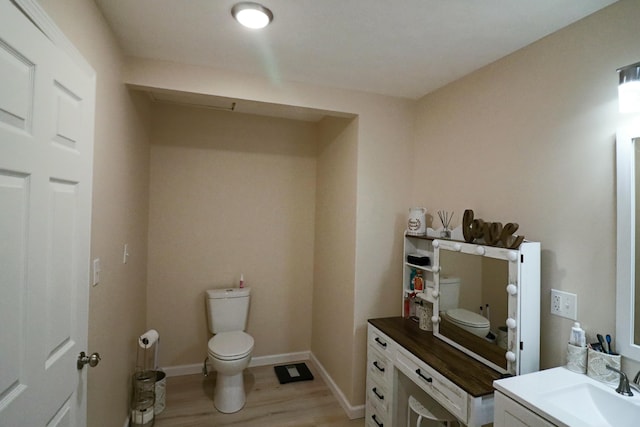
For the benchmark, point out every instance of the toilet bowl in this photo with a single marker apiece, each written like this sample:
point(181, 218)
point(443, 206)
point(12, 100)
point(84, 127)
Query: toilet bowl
point(465, 319)
point(469, 321)
point(229, 351)
point(229, 355)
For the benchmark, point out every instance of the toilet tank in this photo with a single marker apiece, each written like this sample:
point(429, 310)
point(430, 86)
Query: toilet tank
point(227, 309)
point(449, 293)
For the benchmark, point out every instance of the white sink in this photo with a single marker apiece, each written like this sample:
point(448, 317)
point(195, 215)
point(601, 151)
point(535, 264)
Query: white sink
point(595, 406)
point(566, 398)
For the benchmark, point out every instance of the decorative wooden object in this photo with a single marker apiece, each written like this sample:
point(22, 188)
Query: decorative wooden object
point(491, 233)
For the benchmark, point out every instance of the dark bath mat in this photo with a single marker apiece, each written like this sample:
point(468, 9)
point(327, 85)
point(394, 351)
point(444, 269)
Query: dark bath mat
point(293, 372)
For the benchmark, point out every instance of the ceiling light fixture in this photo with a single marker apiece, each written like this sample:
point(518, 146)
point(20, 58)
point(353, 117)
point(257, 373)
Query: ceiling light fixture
point(252, 15)
point(629, 88)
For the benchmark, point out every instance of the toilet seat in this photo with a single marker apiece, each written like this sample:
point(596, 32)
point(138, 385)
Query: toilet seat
point(467, 318)
point(230, 345)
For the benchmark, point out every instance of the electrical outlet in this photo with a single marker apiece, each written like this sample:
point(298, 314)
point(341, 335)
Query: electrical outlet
point(556, 303)
point(564, 304)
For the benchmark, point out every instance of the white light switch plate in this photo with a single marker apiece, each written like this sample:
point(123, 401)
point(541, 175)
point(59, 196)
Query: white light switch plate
point(564, 304)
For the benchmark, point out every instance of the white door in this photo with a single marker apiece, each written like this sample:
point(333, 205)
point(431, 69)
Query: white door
point(46, 153)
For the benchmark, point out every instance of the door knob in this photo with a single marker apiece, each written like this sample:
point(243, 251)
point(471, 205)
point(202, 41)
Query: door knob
point(92, 360)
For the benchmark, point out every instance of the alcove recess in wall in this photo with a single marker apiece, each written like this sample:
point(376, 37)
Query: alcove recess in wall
point(245, 106)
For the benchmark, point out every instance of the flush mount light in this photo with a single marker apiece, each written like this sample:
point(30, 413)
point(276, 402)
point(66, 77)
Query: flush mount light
point(629, 88)
point(252, 15)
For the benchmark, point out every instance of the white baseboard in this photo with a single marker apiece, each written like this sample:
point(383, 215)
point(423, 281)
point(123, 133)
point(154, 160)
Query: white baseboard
point(352, 412)
point(280, 358)
point(174, 371)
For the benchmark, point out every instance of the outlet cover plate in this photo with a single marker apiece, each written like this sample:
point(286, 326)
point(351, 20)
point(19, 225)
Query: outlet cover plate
point(564, 304)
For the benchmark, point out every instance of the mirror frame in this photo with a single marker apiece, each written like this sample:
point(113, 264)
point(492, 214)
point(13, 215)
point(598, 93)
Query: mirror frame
point(625, 248)
point(513, 300)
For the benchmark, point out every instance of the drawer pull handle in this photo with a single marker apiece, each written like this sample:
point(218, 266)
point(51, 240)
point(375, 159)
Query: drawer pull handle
point(375, 391)
point(376, 365)
point(375, 420)
point(382, 343)
point(423, 377)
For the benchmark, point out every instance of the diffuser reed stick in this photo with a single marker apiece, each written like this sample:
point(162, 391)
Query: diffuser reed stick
point(445, 219)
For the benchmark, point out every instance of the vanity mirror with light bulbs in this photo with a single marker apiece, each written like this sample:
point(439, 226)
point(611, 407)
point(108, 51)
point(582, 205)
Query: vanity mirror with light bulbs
point(628, 237)
point(486, 302)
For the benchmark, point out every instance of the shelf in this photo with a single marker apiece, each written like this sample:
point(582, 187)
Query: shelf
point(411, 236)
point(427, 285)
point(423, 295)
point(419, 267)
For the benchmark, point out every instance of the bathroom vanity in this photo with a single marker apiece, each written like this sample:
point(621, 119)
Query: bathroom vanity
point(453, 367)
point(403, 360)
point(560, 397)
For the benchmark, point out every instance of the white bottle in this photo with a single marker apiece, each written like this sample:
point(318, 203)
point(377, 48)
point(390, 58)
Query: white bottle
point(241, 285)
point(578, 337)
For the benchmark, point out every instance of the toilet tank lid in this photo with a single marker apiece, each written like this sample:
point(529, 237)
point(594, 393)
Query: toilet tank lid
point(228, 293)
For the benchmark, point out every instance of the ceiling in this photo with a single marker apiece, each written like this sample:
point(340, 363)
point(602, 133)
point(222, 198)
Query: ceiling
point(403, 48)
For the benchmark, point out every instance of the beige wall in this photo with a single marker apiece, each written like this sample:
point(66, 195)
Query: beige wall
point(531, 139)
point(117, 307)
point(333, 291)
point(382, 167)
point(230, 193)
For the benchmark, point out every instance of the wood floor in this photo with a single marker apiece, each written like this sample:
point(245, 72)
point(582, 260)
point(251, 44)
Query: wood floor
point(189, 403)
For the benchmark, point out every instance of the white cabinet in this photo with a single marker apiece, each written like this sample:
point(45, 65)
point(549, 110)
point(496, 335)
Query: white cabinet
point(509, 413)
point(380, 352)
point(388, 359)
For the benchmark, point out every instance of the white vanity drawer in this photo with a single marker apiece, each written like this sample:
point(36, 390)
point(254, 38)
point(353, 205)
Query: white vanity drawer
point(450, 396)
point(379, 394)
point(379, 366)
point(376, 417)
point(380, 342)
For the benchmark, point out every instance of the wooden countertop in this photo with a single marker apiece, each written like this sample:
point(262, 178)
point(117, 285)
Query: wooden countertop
point(466, 372)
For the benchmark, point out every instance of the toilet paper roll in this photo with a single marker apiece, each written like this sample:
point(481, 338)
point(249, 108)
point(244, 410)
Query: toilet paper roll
point(149, 338)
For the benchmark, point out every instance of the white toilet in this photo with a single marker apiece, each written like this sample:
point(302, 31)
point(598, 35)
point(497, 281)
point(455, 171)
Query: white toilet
point(230, 348)
point(465, 319)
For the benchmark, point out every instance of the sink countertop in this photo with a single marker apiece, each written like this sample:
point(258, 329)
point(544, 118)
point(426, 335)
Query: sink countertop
point(543, 392)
